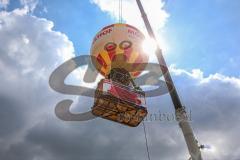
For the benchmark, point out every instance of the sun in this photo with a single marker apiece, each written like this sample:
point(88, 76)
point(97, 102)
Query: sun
point(149, 45)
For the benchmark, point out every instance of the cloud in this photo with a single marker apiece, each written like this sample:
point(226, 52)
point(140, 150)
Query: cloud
point(214, 101)
point(198, 75)
point(30, 4)
point(131, 14)
point(29, 51)
point(4, 3)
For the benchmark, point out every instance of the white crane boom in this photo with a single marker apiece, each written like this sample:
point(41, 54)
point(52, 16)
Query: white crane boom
point(180, 112)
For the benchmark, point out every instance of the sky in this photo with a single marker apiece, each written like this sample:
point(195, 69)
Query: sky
point(200, 44)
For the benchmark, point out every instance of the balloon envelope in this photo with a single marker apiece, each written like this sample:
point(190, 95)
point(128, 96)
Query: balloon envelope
point(119, 46)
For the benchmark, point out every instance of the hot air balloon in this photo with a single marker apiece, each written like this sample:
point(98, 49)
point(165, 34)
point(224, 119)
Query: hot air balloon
point(117, 54)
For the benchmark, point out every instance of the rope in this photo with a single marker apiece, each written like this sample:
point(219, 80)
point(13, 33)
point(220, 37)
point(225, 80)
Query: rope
point(120, 11)
point(146, 141)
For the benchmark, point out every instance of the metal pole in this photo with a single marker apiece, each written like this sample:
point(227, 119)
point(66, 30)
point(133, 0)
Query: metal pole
point(180, 112)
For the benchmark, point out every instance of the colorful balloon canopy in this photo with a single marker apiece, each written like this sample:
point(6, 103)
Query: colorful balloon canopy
point(119, 46)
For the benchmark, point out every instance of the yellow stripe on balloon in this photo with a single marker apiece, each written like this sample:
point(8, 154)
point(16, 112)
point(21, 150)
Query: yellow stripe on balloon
point(119, 51)
point(106, 57)
point(133, 57)
point(104, 71)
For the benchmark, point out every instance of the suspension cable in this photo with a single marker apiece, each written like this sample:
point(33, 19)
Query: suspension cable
point(120, 11)
point(119, 14)
point(146, 140)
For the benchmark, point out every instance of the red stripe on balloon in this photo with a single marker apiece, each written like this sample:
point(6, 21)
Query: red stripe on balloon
point(101, 61)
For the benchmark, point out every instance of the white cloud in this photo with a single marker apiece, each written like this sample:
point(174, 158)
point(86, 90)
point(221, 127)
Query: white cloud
point(26, 45)
point(25, 39)
point(195, 73)
point(227, 79)
point(198, 75)
point(29, 51)
point(4, 3)
point(131, 14)
point(30, 4)
point(214, 101)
